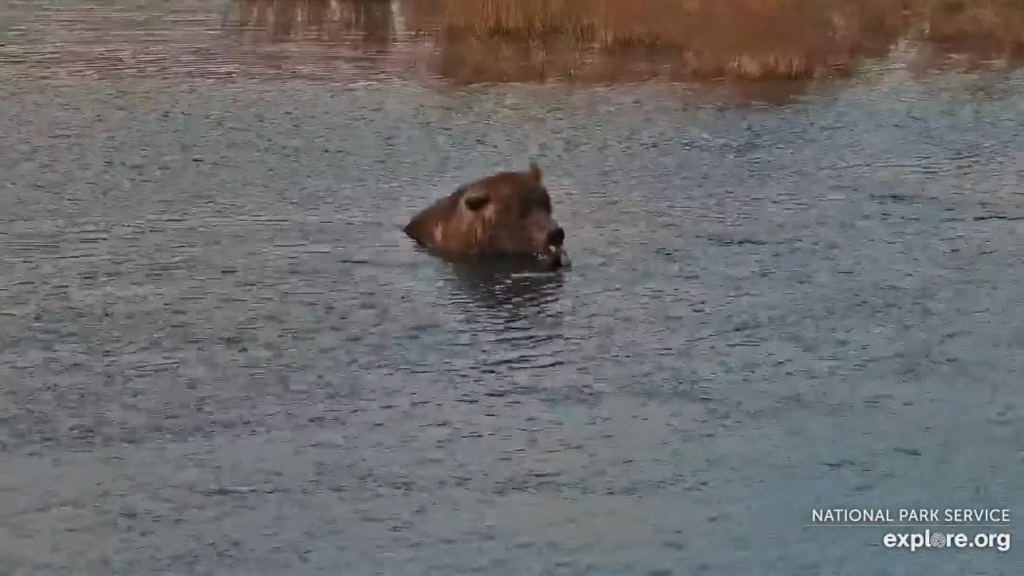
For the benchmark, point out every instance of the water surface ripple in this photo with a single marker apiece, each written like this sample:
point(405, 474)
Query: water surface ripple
point(220, 354)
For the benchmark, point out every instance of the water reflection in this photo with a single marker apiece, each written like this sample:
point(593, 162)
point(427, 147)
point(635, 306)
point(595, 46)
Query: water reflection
point(514, 314)
point(368, 25)
point(746, 42)
point(511, 294)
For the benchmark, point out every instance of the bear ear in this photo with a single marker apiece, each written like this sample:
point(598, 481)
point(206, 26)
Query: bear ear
point(475, 200)
point(535, 171)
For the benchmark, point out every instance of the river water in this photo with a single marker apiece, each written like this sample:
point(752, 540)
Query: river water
point(220, 355)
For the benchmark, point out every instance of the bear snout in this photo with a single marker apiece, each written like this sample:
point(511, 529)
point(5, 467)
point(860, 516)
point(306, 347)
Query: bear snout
point(556, 237)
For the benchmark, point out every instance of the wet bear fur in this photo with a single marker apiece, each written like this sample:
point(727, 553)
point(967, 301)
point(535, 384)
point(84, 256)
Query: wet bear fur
point(507, 215)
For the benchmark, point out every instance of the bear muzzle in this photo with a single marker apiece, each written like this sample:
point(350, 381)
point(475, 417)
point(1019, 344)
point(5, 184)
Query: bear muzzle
point(556, 255)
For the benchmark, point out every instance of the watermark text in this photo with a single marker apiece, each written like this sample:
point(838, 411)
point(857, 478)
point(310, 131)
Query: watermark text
point(927, 539)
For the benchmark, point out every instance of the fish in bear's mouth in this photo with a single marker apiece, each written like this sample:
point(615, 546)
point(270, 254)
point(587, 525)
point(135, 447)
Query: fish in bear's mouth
point(554, 258)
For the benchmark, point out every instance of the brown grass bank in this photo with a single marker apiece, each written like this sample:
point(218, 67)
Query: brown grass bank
point(747, 39)
point(752, 39)
point(586, 39)
point(602, 41)
point(977, 31)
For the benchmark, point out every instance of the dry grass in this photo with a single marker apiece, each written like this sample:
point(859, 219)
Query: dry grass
point(718, 38)
point(422, 16)
point(603, 40)
point(979, 29)
point(749, 39)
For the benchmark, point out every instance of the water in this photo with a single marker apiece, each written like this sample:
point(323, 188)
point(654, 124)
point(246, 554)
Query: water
point(221, 356)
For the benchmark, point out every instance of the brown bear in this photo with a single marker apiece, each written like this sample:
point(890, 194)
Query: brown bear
point(504, 215)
